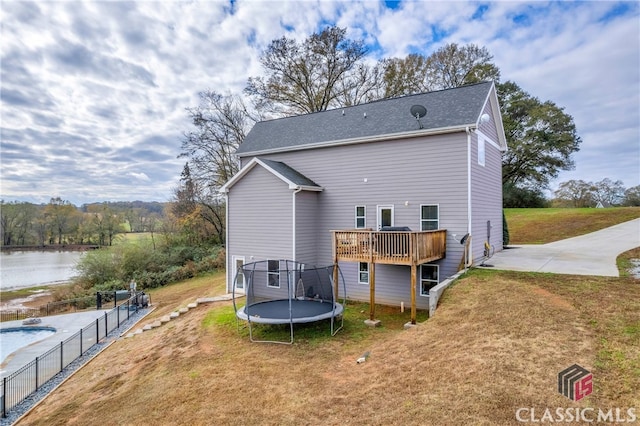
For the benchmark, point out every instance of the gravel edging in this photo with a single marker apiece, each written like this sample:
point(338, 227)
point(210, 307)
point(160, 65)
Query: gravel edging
point(17, 412)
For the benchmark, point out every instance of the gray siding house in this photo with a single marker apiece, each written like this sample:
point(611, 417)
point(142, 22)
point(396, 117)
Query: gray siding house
point(385, 193)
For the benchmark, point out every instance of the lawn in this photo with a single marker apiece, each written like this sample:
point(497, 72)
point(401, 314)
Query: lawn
point(496, 344)
point(540, 226)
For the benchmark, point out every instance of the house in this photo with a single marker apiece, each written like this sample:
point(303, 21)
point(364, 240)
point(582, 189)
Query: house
point(388, 189)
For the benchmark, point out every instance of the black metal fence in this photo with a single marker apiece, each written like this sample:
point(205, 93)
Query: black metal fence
point(16, 387)
point(51, 308)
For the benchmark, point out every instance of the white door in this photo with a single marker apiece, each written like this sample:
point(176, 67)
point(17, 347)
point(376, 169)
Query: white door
point(238, 276)
point(385, 216)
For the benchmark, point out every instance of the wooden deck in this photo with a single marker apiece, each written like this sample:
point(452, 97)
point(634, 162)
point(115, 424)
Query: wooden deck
point(389, 247)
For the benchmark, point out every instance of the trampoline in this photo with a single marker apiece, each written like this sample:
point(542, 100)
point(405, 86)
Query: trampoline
point(288, 292)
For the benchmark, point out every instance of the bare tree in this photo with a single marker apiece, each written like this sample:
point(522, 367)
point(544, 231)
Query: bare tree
point(220, 125)
point(608, 192)
point(309, 76)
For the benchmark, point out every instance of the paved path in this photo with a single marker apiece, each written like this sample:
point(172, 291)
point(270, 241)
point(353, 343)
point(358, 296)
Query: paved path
point(590, 254)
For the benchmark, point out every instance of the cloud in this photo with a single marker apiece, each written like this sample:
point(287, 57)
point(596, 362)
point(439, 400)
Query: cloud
point(94, 93)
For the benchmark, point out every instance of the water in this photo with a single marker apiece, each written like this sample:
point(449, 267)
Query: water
point(22, 269)
point(14, 339)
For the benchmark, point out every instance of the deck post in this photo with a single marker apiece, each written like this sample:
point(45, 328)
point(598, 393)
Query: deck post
point(336, 277)
point(414, 288)
point(372, 291)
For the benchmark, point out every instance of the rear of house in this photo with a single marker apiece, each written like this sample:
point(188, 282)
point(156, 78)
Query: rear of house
point(371, 168)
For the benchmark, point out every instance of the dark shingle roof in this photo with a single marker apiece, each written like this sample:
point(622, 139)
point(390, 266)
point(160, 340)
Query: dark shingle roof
point(456, 107)
point(290, 174)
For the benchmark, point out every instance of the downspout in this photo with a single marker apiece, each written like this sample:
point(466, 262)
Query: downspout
point(469, 216)
point(293, 246)
point(229, 267)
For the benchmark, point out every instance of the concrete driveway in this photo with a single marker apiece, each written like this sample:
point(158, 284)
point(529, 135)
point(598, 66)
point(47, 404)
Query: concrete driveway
point(590, 254)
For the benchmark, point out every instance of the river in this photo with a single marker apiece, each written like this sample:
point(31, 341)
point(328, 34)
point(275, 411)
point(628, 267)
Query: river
point(22, 269)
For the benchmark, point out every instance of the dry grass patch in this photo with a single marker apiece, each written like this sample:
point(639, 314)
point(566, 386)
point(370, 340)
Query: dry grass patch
point(541, 226)
point(496, 344)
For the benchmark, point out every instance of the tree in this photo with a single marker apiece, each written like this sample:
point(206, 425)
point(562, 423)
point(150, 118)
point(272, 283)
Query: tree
point(309, 76)
point(575, 193)
point(541, 138)
point(608, 192)
point(450, 66)
point(632, 196)
point(221, 124)
point(515, 197)
point(61, 216)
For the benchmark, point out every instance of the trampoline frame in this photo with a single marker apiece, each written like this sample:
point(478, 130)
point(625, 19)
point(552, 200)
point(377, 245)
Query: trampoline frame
point(291, 302)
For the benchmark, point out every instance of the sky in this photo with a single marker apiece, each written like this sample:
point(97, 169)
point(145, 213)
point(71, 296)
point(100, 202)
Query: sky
point(94, 94)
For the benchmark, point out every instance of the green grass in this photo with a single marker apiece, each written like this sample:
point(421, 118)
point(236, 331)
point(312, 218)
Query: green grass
point(354, 329)
point(8, 295)
point(541, 226)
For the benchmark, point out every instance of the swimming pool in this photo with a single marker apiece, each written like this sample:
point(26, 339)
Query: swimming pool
point(14, 338)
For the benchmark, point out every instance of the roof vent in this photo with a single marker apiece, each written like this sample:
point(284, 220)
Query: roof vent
point(418, 111)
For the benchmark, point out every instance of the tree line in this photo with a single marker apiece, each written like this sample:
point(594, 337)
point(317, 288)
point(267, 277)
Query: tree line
point(61, 223)
point(328, 70)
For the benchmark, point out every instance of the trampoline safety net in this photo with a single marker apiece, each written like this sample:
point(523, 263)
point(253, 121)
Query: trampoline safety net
point(283, 292)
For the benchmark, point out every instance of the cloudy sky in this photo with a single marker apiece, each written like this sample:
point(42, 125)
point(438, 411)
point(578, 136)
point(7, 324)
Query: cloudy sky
point(94, 93)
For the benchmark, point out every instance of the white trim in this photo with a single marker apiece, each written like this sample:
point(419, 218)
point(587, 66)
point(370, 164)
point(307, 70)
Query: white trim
point(269, 273)
point(469, 189)
point(293, 232)
point(368, 274)
point(487, 139)
point(226, 243)
point(436, 282)
point(496, 115)
point(430, 220)
point(482, 149)
point(356, 216)
point(256, 161)
point(234, 260)
point(367, 139)
point(380, 207)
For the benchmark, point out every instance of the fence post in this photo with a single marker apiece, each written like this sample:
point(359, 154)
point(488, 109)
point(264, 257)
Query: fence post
point(47, 308)
point(118, 316)
point(37, 362)
point(4, 397)
point(97, 331)
point(80, 342)
point(61, 356)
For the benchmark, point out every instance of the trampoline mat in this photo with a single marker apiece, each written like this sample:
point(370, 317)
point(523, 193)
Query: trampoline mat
point(277, 311)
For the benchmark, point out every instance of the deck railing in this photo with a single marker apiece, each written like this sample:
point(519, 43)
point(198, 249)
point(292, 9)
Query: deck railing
point(390, 247)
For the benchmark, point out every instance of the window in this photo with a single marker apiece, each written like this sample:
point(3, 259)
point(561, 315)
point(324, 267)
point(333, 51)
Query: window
point(239, 262)
point(481, 150)
point(363, 273)
point(273, 274)
point(428, 278)
point(429, 217)
point(361, 217)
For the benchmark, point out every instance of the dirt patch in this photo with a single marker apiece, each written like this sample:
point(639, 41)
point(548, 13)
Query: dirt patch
point(554, 299)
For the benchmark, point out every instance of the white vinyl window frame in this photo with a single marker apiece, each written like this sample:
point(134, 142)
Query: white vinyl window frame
point(273, 274)
point(429, 223)
point(430, 279)
point(482, 150)
point(239, 278)
point(361, 217)
point(363, 273)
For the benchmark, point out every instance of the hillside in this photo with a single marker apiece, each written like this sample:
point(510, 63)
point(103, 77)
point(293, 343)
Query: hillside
point(497, 343)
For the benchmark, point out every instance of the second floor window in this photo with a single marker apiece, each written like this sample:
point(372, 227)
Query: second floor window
point(361, 217)
point(429, 217)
